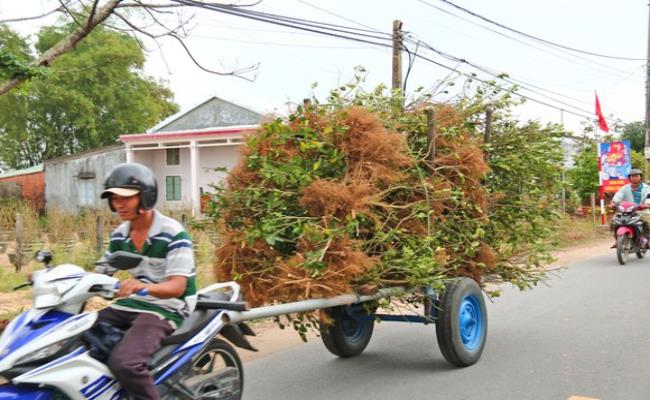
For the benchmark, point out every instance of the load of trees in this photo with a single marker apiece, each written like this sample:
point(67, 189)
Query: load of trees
point(351, 192)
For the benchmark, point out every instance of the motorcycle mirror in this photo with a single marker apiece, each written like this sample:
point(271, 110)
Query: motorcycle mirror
point(43, 256)
point(124, 260)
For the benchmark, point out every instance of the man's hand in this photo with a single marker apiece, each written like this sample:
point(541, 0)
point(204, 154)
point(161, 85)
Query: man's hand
point(129, 286)
point(174, 286)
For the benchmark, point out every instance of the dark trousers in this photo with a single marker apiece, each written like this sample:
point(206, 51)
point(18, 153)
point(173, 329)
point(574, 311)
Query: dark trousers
point(128, 360)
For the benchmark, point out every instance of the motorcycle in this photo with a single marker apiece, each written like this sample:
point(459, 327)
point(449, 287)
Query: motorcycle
point(627, 228)
point(43, 354)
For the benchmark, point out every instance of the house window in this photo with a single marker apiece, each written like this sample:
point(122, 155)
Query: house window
point(173, 156)
point(173, 188)
point(86, 192)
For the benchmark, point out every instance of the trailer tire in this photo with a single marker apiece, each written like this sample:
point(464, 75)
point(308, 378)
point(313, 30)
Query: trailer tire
point(461, 322)
point(350, 330)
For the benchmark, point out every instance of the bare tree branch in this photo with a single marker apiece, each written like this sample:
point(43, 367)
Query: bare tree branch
point(71, 14)
point(158, 6)
point(98, 14)
point(58, 9)
point(92, 12)
point(65, 44)
point(236, 73)
point(239, 73)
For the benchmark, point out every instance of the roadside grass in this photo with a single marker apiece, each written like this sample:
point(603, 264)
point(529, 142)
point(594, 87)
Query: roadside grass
point(9, 278)
point(571, 231)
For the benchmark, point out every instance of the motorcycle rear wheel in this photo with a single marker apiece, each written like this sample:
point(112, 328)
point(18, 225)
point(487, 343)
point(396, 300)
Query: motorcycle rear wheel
point(219, 357)
point(640, 253)
point(622, 248)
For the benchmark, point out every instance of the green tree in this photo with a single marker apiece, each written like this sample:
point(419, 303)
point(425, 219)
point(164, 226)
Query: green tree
point(635, 133)
point(584, 175)
point(637, 160)
point(14, 53)
point(89, 97)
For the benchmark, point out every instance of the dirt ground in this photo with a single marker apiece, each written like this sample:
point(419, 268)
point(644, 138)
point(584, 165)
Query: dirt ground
point(271, 339)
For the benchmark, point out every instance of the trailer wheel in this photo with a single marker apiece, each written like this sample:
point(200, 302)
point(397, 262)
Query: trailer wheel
point(350, 331)
point(461, 323)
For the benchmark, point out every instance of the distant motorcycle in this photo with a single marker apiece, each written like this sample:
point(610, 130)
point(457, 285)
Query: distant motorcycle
point(627, 228)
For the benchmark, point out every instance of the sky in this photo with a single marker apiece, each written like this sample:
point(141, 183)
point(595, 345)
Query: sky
point(291, 61)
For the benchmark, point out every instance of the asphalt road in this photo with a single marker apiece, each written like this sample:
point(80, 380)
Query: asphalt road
point(586, 333)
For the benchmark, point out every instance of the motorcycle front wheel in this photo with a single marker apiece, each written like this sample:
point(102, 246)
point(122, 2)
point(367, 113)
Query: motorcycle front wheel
point(623, 248)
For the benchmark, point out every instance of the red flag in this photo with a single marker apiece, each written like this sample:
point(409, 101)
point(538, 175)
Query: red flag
point(601, 119)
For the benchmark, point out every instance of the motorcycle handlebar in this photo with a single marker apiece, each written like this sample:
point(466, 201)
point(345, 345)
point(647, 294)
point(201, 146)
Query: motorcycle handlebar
point(142, 292)
point(116, 287)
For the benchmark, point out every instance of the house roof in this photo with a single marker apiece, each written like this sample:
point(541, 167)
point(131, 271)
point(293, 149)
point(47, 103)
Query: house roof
point(26, 171)
point(86, 153)
point(188, 134)
point(214, 121)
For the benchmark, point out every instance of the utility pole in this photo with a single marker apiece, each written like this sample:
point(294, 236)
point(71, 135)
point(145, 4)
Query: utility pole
point(488, 124)
point(431, 135)
point(397, 54)
point(646, 151)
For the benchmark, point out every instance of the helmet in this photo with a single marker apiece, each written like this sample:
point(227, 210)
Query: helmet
point(129, 179)
point(635, 171)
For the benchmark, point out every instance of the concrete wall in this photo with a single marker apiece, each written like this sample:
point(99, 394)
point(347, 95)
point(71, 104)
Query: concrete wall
point(216, 157)
point(157, 161)
point(210, 158)
point(10, 190)
point(64, 176)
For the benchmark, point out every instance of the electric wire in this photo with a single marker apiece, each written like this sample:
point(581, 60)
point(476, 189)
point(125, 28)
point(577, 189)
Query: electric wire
point(548, 42)
point(361, 35)
point(568, 53)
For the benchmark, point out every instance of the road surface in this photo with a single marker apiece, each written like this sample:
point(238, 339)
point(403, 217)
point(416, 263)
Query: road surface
point(583, 334)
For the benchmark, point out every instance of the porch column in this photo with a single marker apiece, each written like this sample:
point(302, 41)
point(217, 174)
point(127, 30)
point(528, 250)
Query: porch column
point(129, 152)
point(194, 178)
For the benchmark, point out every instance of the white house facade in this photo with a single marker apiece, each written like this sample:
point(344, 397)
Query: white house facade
point(187, 163)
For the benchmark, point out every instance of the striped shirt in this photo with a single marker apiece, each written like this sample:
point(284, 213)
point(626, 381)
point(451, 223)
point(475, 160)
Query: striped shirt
point(167, 252)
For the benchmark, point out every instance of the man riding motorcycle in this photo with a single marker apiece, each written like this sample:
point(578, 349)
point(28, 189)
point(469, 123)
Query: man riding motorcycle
point(168, 276)
point(636, 192)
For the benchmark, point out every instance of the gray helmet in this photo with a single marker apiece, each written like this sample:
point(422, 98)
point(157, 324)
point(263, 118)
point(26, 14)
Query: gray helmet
point(129, 179)
point(635, 171)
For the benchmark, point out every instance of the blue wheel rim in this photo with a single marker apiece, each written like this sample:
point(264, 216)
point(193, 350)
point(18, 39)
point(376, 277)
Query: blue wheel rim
point(471, 325)
point(352, 325)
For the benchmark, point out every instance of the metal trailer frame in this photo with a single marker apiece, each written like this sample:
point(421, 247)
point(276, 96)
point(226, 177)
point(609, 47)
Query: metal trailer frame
point(458, 313)
point(277, 310)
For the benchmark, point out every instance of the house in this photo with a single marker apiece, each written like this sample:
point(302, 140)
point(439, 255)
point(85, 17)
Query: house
point(27, 184)
point(183, 151)
point(75, 181)
point(189, 151)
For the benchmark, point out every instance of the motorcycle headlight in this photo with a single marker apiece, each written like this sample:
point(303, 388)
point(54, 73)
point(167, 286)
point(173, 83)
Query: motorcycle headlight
point(44, 352)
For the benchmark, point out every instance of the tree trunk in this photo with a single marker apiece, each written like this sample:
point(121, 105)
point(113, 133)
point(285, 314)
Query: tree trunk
point(65, 44)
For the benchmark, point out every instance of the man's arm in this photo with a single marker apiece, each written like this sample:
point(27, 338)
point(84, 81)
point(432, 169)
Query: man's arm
point(174, 286)
point(619, 195)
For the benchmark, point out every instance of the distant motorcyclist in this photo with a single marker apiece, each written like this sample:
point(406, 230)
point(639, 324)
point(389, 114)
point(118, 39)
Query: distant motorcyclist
point(635, 192)
point(167, 273)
